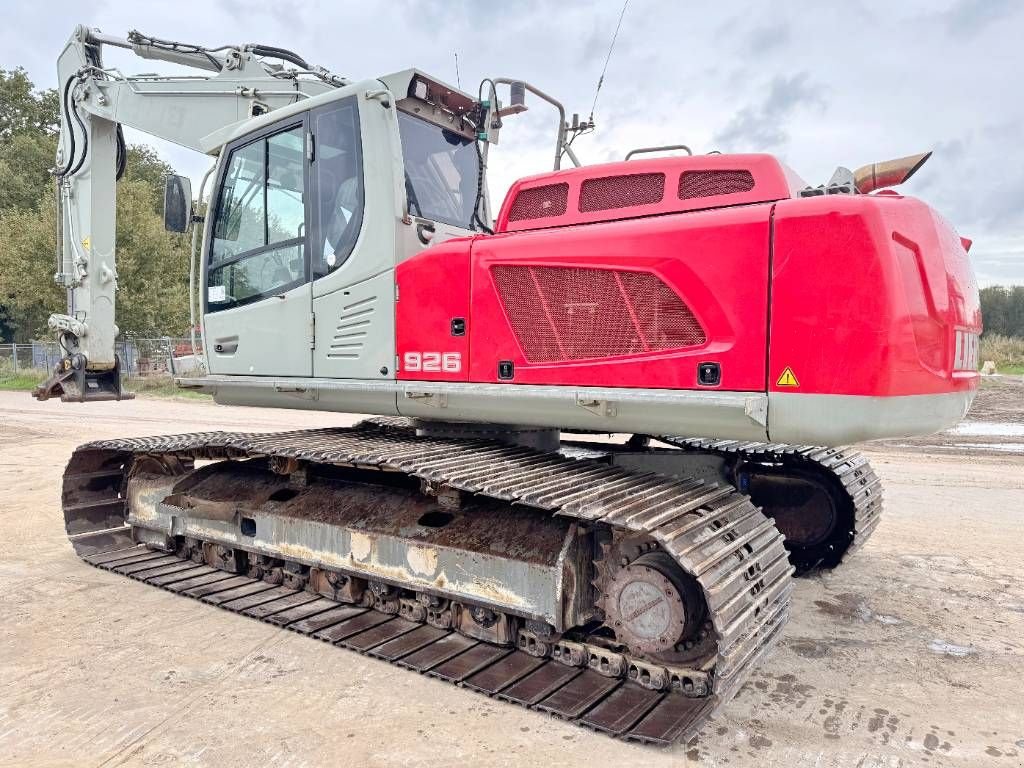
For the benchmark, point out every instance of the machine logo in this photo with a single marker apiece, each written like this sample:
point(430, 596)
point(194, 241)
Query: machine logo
point(966, 354)
point(433, 362)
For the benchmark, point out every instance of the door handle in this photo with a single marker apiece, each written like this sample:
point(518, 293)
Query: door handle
point(425, 231)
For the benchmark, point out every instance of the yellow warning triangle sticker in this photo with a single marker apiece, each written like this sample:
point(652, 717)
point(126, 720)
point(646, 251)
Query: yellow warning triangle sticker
point(787, 379)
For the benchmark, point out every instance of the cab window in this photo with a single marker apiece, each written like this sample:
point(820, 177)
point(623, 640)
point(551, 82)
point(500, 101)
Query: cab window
point(440, 172)
point(259, 233)
point(338, 184)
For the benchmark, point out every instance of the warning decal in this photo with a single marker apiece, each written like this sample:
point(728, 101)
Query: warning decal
point(787, 379)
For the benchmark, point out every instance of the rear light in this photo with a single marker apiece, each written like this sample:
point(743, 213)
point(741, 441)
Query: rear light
point(965, 357)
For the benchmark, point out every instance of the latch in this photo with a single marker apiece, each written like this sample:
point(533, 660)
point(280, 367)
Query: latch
point(595, 406)
point(434, 399)
point(298, 390)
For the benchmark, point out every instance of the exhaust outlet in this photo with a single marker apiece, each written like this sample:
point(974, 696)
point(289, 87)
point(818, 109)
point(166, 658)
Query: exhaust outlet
point(888, 173)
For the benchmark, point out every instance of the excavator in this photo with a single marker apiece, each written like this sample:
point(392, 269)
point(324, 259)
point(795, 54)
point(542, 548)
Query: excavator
point(606, 425)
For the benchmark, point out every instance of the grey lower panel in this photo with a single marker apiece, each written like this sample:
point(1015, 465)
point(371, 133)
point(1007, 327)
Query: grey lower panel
point(378, 398)
point(791, 417)
point(735, 415)
point(811, 419)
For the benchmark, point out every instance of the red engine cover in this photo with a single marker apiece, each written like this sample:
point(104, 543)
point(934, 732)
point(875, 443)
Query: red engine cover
point(864, 295)
point(643, 188)
point(871, 295)
point(636, 303)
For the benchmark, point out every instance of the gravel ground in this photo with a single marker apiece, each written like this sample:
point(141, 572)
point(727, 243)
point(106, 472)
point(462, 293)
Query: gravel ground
point(910, 654)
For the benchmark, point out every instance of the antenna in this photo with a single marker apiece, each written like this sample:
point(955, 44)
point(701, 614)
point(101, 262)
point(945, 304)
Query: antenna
point(611, 47)
point(458, 80)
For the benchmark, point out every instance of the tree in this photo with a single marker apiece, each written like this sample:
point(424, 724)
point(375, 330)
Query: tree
point(153, 265)
point(1002, 309)
point(25, 162)
point(28, 127)
point(28, 252)
point(23, 109)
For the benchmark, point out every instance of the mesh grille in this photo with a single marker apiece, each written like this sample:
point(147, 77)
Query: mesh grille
point(621, 191)
point(706, 183)
point(540, 202)
point(663, 318)
point(569, 313)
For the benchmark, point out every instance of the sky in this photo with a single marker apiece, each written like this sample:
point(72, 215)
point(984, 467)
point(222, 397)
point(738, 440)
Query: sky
point(819, 84)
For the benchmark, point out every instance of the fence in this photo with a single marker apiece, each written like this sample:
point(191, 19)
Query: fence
point(167, 356)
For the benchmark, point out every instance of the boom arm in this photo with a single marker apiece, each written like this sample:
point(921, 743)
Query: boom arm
point(185, 110)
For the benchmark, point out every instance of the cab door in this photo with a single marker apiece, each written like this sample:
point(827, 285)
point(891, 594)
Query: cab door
point(354, 220)
point(257, 299)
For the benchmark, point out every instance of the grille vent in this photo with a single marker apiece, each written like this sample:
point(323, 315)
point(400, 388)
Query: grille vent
point(350, 335)
point(540, 202)
point(707, 183)
point(610, 192)
point(570, 313)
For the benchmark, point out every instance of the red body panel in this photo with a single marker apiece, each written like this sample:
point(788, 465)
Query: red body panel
point(716, 262)
point(433, 290)
point(770, 180)
point(868, 293)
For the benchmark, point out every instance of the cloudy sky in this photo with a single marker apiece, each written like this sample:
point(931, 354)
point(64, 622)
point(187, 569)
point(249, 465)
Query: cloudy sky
point(820, 84)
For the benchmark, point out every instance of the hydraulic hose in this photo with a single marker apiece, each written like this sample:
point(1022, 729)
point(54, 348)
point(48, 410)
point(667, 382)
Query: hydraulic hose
point(280, 53)
point(71, 130)
point(81, 126)
point(122, 154)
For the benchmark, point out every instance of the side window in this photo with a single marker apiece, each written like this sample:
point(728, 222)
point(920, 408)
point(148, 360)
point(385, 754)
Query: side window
point(440, 171)
point(286, 206)
point(338, 185)
point(258, 245)
point(240, 218)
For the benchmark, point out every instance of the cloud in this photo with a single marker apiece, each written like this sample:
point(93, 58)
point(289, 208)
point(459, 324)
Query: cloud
point(968, 17)
point(998, 260)
point(763, 126)
point(820, 84)
point(767, 38)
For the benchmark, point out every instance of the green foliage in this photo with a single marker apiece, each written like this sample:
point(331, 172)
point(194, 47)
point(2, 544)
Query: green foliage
point(22, 381)
point(28, 254)
point(145, 165)
point(1004, 351)
point(153, 265)
point(1002, 310)
point(23, 109)
point(25, 162)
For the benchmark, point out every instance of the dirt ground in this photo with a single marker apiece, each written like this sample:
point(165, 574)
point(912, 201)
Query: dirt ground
point(995, 423)
point(911, 654)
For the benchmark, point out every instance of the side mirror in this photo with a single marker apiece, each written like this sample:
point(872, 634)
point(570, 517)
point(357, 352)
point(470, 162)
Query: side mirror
point(177, 203)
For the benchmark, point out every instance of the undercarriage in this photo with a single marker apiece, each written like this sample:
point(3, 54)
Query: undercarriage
point(626, 586)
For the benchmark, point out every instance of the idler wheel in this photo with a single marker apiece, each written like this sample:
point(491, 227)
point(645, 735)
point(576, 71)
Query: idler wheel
point(652, 605)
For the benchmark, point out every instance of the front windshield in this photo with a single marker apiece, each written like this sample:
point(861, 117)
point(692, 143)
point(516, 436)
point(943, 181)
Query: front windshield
point(440, 172)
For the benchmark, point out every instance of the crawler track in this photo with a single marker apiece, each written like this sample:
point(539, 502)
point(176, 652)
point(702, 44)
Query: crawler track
point(843, 473)
point(714, 533)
